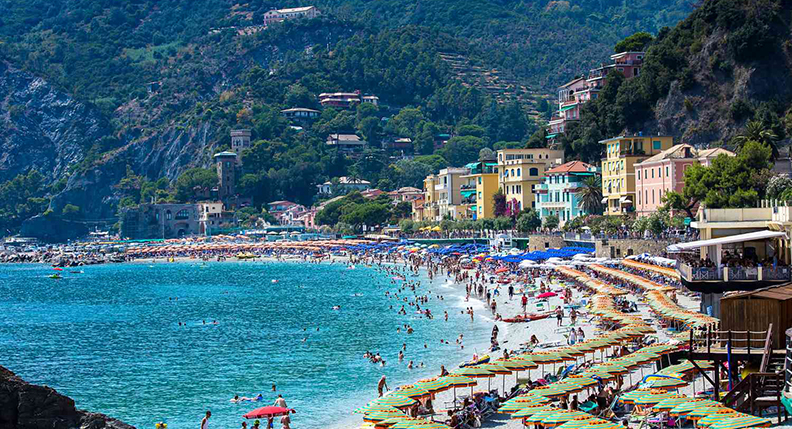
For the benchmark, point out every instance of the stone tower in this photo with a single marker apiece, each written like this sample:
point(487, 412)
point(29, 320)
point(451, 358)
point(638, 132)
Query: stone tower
point(240, 140)
point(226, 173)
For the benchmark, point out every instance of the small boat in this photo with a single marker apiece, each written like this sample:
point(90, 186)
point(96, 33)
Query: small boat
point(527, 318)
point(55, 276)
point(479, 361)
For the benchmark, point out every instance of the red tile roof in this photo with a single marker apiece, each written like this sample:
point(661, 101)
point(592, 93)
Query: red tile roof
point(571, 167)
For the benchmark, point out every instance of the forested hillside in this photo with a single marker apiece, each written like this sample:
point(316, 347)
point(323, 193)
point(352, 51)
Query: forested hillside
point(725, 70)
point(162, 83)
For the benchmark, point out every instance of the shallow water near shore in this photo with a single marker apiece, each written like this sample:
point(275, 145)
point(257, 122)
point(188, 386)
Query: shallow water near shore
point(109, 337)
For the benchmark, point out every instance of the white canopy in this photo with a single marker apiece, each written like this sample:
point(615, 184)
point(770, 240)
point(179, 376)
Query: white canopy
point(739, 238)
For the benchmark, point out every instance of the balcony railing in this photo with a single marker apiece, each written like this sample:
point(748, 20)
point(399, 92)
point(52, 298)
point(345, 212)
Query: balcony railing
point(728, 274)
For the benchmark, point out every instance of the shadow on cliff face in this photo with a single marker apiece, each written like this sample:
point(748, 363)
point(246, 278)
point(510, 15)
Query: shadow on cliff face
point(28, 406)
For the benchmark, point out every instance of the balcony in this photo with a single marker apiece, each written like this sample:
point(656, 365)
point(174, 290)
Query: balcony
point(440, 187)
point(750, 275)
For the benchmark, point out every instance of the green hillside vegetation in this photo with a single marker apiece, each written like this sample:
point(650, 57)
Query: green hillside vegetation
point(749, 36)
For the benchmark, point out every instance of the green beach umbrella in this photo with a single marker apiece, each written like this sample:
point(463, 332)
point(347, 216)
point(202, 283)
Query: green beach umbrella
point(461, 381)
point(513, 407)
point(474, 372)
point(592, 423)
point(741, 422)
point(413, 392)
point(584, 380)
point(391, 421)
point(655, 396)
point(717, 417)
point(668, 383)
point(669, 403)
point(374, 406)
point(683, 409)
point(563, 417)
point(531, 399)
point(439, 384)
point(530, 411)
point(630, 397)
point(516, 364)
point(396, 400)
point(539, 416)
point(700, 413)
point(376, 416)
point(549, 391)
point(408, 423)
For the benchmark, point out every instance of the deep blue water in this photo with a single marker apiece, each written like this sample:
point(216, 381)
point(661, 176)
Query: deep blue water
point(110, 338)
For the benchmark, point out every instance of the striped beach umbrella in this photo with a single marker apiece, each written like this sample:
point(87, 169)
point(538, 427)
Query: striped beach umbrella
point(720, 416)
point(396, 400)
point(741, 422)
point(412, 392)
point(630, 397)
point(516, 364)
point(590, 422)
point(537, 417)
point(563, 417)
point(669, 403)
point(612, 368)
point(693, 404)
point(654, 396)
point(531, 399)
point(583, 379)
point(516, 407)
point(474, 372)
point(408, 423)
point(439, 384)
point(374, 406)
point(549, 391)
point(668, 383)
point(427, 425)
point(390, 422)
point(530, 411)
point(461, 381)
point(376, 416)
point(700, 413)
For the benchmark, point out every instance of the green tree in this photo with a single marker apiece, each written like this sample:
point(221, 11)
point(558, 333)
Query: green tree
point(635, 43)
point(550, 222)
point(70, 211)
point(205, 178)
point(756, 132)
point(590, 195)
point(459, 151)
point(528, 221)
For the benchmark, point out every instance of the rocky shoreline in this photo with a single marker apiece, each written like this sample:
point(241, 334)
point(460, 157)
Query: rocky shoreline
point(28, 406)
point(62, 260)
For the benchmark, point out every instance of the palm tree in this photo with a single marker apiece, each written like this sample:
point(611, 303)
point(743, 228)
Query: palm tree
point(755, 131)
point(590, 195)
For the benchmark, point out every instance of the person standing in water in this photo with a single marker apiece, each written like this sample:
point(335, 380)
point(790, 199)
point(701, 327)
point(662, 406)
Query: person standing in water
point(205, 421)
point(381, 386)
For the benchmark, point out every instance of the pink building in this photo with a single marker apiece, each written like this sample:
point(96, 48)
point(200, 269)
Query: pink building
point(665, 172)
point(580, 91)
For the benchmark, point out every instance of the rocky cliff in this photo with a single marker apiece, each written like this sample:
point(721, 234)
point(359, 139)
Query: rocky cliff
point(27, 406)
point(734, 65)
point(42, 127)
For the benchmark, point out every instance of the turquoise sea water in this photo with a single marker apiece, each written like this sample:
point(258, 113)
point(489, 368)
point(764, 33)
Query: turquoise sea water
point(109, 338)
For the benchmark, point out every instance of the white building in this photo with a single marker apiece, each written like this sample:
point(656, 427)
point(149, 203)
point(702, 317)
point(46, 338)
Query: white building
point(345, 185)
point(280, 15)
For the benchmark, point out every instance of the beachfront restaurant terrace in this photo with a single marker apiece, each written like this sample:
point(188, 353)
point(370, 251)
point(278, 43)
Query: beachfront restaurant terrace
point(737, 262)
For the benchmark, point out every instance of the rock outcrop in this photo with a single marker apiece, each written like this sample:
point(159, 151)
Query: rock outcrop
point(28, 406)
point(42, 127)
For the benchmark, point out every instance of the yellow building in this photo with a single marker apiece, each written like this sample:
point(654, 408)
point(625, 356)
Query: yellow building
point(429, 210)
point(618, 168)
point(484, 176)
point(521, 171)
